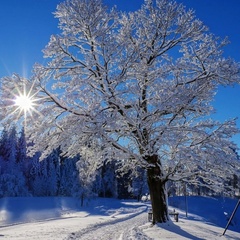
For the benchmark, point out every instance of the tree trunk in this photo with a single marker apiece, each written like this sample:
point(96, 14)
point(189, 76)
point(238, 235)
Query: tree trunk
point(82, 199)
point(157, 190)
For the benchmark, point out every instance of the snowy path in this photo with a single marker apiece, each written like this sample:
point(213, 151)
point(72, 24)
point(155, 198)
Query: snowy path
point(103, 219)
point(119, 229)
point(121, 224)
point(50, 229)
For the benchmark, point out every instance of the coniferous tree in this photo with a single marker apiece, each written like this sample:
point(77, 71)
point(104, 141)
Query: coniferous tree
point(52, 172)
point(69, 182)
point(106, 180)
point(12, 180)
point(33, 172)
point(3, 144)
point(22, 159)
point(87, 176)
point(139, 184)
point(124, 185)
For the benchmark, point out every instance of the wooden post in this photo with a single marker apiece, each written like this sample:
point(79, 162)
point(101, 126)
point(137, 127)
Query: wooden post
point(150, 215)
point(186, 203)
point(230, 219)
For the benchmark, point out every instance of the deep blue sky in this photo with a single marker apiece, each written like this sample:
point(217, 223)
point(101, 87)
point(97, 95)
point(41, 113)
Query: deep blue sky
point(26, 26)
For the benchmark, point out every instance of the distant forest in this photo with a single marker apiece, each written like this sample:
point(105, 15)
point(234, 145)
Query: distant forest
point(56, 175)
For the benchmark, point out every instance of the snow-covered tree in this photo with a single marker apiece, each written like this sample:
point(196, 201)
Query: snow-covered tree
point(106, 183)
point(46, 175)
point(141, 85)
point(69, 180)
point(3, 144)
point(53, 172)
point(21, 155)
point(12, 179)
point(139, 184)
point(87, 168)
point(22, 147)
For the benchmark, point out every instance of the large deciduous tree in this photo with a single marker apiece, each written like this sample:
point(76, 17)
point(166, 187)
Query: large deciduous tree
point(138, 85)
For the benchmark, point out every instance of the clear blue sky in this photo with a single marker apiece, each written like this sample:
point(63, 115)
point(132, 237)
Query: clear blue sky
point(26, 26)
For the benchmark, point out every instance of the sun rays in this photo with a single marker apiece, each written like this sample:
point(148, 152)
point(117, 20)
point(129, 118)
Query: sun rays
point(24, 102)
point(21, 100)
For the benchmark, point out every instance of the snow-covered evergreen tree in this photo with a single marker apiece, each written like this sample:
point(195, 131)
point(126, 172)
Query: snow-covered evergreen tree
point(12, 179)
point(87, 168)
point(52, 172)
point(69, 181)
point(33, 171)
point(21, 148)
point(106, 181)
point(3, 144)
point(21, 158)
point(139, 184)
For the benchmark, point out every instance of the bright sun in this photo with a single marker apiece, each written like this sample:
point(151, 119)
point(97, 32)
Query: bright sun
point(24, 102)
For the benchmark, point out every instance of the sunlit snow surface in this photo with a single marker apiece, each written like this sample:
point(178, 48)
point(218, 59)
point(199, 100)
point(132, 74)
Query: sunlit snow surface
point(111, 219)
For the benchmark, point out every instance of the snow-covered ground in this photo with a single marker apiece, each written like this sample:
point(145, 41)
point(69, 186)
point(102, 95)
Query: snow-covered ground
point(111, 219)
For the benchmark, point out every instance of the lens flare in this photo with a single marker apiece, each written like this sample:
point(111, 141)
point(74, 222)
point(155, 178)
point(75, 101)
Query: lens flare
point(21, 102)
point(24, 102)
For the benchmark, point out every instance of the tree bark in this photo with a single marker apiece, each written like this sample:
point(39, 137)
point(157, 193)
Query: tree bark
point(157, 190)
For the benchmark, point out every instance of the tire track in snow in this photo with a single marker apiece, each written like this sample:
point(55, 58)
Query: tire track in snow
point(120, 229)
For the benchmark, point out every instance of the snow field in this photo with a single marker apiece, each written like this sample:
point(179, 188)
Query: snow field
point(104, 219)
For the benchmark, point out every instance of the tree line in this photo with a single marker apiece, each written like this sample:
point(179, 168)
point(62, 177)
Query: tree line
point(57, 175)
